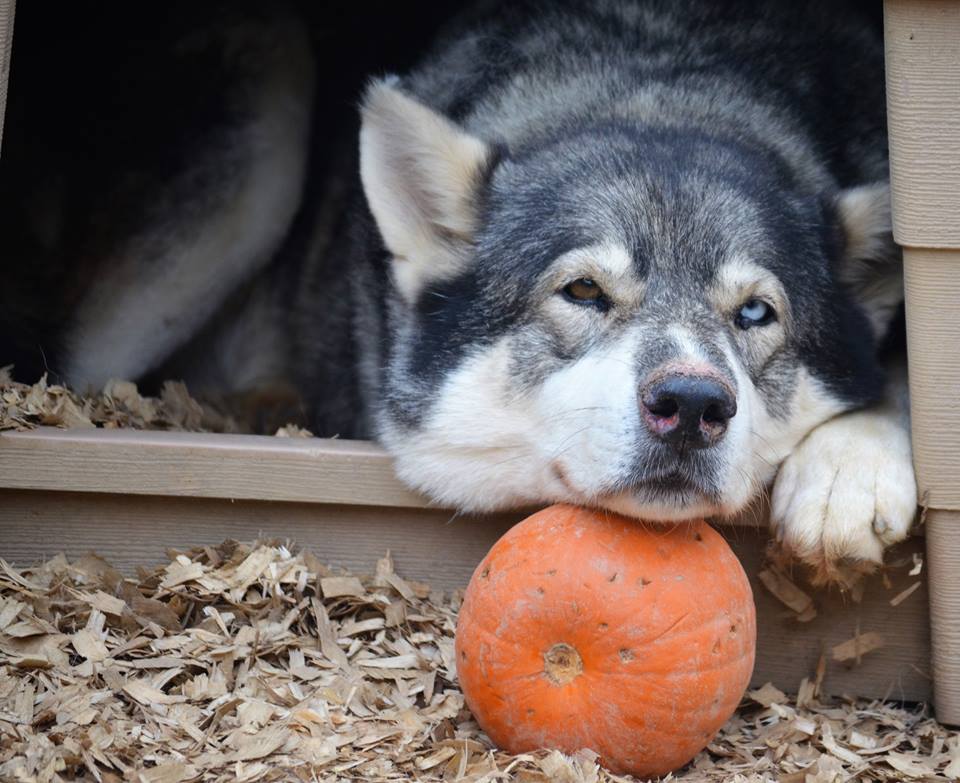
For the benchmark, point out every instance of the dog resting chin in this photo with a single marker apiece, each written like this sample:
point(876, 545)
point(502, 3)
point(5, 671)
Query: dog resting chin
point(497, 478)
point(843, 487)
point(673, 506)
point(643, 277)
point(844, 495)
point(433, 475)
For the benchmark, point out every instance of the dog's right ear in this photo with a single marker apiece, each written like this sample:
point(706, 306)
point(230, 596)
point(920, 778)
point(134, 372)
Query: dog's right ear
point(872, 264)
point(421, 175)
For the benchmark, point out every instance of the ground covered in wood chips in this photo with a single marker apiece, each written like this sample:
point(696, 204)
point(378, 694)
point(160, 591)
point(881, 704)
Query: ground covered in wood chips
point(254, 663)
point(119, 405)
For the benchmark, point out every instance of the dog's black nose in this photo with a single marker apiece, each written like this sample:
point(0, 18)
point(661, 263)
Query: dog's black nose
point(687, 411)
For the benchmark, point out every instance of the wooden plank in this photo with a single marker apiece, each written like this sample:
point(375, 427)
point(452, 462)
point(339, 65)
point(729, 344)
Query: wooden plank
point(431, 545)
point(932, 288)
point(943, 556)
point(188, 464)
point(442, 549)
point(207, 465)
point(923, 108)
point(788, 650)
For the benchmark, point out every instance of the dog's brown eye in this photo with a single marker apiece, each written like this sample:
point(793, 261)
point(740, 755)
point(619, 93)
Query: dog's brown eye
point(583, 290)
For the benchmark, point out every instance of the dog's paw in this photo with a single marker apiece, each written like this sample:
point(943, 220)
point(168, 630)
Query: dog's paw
point(846, 493)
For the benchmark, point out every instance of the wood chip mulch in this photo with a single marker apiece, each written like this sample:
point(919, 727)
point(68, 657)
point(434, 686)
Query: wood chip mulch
point(119, 405)
point(258, 663)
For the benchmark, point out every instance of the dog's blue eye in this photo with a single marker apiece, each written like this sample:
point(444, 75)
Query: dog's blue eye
point(755, 312)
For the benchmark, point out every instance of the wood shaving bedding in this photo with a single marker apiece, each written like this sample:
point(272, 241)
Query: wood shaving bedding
point(258, 663)
point(120, 405)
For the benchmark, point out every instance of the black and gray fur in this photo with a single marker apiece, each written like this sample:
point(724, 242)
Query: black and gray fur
point(669, 123)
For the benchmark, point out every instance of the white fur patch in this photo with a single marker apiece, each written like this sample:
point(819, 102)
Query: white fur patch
point(485, 447)
point(847, 491)
point(773, 438)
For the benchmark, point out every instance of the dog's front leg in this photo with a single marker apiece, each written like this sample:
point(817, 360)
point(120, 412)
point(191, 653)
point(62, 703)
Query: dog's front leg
point(849, 490)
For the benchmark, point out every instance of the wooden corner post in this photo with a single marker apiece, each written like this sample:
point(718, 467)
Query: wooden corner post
point(923, 105)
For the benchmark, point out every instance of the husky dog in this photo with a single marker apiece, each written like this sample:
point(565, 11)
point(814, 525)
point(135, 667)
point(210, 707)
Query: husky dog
point(633, 254)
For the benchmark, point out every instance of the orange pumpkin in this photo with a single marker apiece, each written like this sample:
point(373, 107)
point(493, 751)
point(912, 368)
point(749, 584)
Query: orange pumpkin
point(584, 629)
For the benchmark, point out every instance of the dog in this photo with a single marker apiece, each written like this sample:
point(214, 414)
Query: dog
point(630, 254)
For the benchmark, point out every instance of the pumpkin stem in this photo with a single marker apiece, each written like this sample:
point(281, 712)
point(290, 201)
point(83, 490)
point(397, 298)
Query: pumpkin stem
point(562, 664)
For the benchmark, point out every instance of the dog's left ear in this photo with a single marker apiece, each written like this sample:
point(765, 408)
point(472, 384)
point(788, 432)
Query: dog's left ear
point(421, 174)
point(872, 264)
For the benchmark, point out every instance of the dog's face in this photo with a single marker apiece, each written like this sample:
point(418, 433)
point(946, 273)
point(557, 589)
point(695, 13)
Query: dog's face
point(644, 321)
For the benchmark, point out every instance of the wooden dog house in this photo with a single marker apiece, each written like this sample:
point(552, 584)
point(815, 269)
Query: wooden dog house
point(130, 495)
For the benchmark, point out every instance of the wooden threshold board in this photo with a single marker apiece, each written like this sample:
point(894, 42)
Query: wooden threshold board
point(203, 465)
point(208, 465)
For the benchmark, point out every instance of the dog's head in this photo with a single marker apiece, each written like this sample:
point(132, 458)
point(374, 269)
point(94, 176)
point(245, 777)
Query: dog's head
point(639, 319)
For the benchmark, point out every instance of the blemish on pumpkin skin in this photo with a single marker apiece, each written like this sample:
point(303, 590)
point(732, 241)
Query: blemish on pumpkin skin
point(613, 578)
point(626, 655)
point(541, 591)
point(643, 582)
point(485, 573)
point(716, 647)
point(697, 537)
point(603, 626)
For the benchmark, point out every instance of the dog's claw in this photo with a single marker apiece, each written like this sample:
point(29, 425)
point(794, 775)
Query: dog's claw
point(881, 527)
